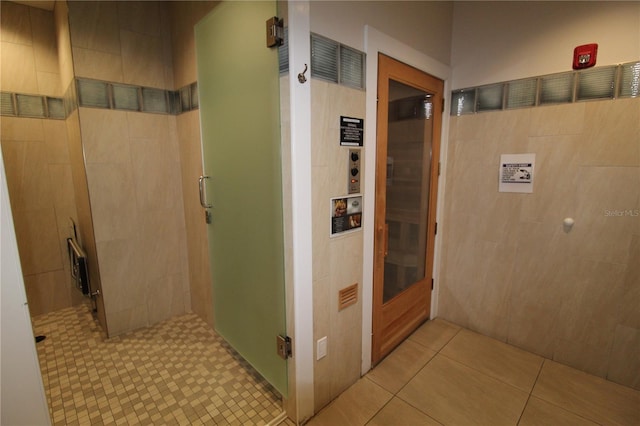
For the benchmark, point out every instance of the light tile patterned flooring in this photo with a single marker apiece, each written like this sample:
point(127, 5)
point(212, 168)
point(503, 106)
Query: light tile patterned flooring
point(177, 372)
point(445, 375)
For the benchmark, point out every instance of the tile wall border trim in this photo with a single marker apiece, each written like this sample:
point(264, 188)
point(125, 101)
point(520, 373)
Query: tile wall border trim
point(622, 81)
point(175, 102)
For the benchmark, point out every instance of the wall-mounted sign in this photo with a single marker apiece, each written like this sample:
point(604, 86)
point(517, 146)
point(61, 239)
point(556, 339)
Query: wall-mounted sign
point(346, 214)
point(516, 172)
point(351, 131)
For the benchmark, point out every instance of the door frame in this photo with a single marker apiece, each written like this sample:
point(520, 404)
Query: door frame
point(378, 42)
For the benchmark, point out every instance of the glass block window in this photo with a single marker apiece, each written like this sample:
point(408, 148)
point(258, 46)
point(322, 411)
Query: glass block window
point(490, 97)
point(30, 106)
point(185, 98)
point(154, 100)
point(557, 88)
point(630, 80)
point(463, 101)
point(522, 93)
point(324, 59)
point(351, 67)
point(93, 93)
point(596, 83)
point(175, 107)
point(6, 104)
point(334, 62)
point(195, 100)
point(55, 106)
point(283, 53)
point(125, 97)
point(70, 100)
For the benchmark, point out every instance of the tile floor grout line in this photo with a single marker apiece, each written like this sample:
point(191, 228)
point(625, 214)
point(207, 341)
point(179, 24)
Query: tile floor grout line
point(524, 407)
point(381, 408)
point(426, 363)
point(482, 372)
point(422, 368)
point(438, 352)
point(563, 408)
point(128, 384)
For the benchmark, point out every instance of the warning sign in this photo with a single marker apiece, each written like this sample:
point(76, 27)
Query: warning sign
point(516, 172)
point(351, 131)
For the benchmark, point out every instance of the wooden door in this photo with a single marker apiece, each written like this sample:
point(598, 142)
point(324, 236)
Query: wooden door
point(408, 141)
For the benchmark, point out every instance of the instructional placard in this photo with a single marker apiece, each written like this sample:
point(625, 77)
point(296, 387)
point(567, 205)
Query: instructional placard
point(351, 131)
point(346, 214)
point(516, 172)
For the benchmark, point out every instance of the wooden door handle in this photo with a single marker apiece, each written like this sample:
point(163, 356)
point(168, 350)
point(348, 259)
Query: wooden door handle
point(386, 239)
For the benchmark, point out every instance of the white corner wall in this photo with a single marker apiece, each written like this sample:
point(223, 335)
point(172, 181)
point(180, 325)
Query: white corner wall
point(21, 389)
point(501, 41)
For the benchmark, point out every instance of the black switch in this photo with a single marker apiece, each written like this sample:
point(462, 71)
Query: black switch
point(354, 171)
point(354, 156)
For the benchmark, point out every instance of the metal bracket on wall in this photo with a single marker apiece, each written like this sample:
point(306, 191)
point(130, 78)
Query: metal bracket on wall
point(283, 346)
point(275, 32)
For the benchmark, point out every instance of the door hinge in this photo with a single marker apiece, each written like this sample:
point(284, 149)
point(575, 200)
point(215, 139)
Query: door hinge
point(435, 229)
point(442, 105)
point(431, 283)
point(275, 32)
point(284, 346)
point(439, 168)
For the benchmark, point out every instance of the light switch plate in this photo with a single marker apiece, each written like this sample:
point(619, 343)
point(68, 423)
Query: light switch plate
point(321, 348)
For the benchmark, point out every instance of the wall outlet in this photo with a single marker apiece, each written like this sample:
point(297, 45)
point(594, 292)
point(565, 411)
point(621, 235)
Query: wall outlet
point(321, 348)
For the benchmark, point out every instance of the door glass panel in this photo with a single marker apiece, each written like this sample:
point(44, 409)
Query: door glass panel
point(238, 87)
point(407, 201)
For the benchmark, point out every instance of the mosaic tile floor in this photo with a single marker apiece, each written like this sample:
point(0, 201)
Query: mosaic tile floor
point(178, 372)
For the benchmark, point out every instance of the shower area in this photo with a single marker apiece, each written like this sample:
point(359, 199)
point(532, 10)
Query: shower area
point(100, 135)
point(100, 129)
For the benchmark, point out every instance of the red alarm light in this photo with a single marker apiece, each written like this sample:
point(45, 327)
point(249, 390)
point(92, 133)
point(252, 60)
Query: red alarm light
point(585, 56)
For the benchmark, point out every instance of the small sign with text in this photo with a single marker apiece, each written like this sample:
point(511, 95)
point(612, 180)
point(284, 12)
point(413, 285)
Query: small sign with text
point(516, 172)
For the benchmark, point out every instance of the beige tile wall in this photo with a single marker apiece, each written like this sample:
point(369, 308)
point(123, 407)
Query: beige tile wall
point(63, 43)
point(28, 47)
point(508, 268)
point(124, 42)
point(135, 162)
point(197, 242)
point(184, 16)
point(133, 175)
point(84, 223)
point(337, 262)
point(37, 160)
point(132, 165)
point(42, 202)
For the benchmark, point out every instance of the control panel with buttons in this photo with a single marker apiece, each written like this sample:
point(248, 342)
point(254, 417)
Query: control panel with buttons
point(354, 171)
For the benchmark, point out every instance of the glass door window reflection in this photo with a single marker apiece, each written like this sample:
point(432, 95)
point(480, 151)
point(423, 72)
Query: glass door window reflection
point(407, 202)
